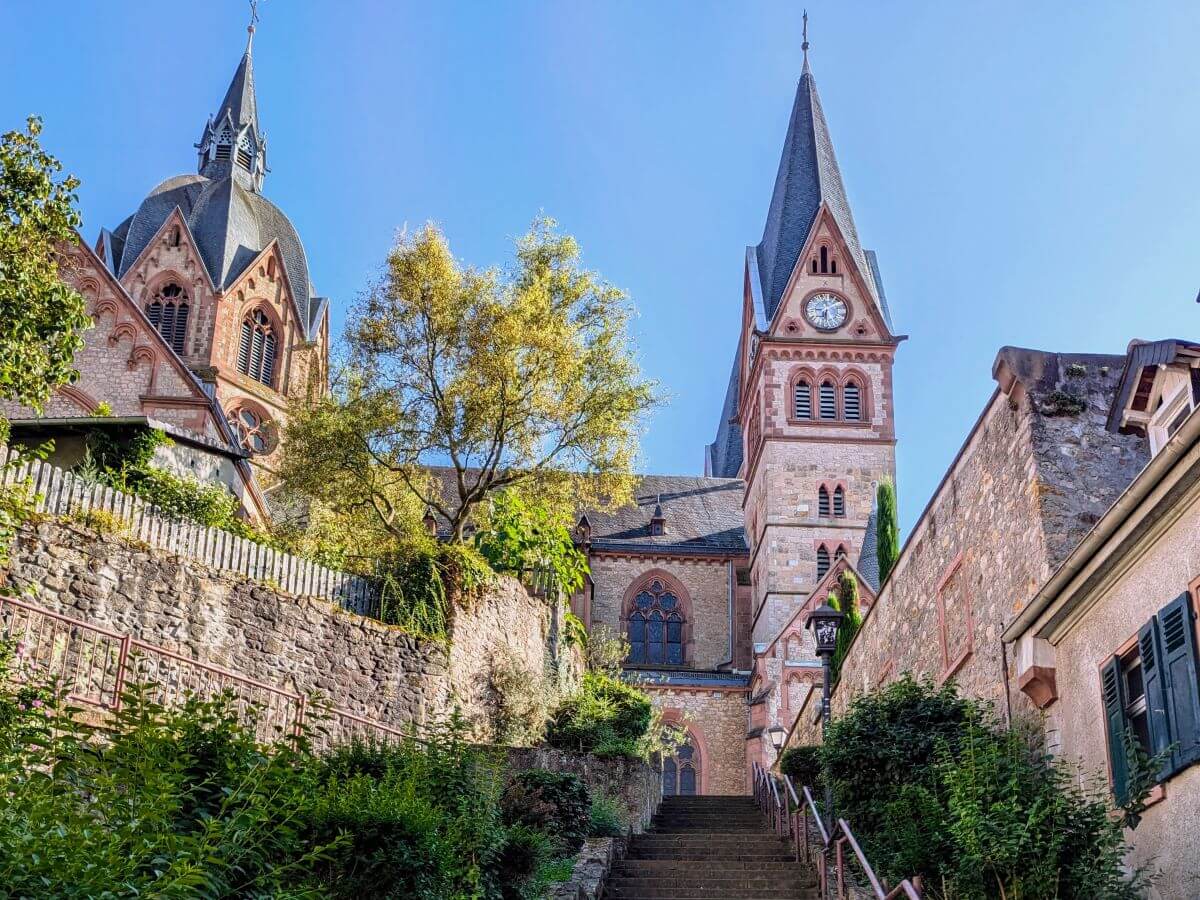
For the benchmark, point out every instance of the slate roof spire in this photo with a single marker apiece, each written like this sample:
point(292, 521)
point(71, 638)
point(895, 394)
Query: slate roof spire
point(808, 176)
point(233, 142)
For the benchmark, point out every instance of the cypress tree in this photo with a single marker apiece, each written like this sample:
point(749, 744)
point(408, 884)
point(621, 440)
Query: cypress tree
point(845, 600)
point(887, 528)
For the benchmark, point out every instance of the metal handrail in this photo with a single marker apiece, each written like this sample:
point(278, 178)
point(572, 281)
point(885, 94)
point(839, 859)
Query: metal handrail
point(790, 814)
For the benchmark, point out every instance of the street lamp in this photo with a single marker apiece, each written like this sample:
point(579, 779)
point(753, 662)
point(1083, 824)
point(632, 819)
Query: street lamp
point(777, 734)
point(824, 622)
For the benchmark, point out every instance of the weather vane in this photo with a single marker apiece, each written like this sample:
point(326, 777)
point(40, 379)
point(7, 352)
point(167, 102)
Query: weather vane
point(253, 13)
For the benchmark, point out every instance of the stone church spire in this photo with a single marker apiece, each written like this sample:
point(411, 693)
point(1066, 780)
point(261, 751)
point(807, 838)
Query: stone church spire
point(808, 178)
point(233, 143)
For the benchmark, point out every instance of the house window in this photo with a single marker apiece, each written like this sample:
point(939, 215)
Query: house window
point(839, 501)
point(168, 313)
point(256, 352)
point(822, 561)
point(655, 627)
point(681, 772)
point(823, 506)
point(828, 399)
point(1153, 694)
point(803, 400)
point(254, 432)
point(852, 402)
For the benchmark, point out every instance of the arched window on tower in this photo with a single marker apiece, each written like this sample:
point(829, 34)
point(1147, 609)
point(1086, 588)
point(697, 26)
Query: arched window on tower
point(824, 260)
point(245, 153)
point(822, 561)
point(681, 771)
point(841, 552)
point(828, 400)
point(803, 400)
point(655, 628)
point(839, 501)
point(823, 502)
point(168, 313)
point(852, 402)
point(256, 351)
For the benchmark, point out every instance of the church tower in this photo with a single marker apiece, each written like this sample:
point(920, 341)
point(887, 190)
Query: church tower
point(808, 418)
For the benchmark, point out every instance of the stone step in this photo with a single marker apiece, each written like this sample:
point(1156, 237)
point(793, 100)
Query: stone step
point(759, 836)
point(709, 853)
point(643, 867)
point(676, 889)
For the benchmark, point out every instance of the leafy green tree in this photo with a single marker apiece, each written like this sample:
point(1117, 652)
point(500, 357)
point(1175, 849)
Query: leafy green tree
point(41, 317)
point(522, 537)
point(513, 378)
point(887, 528)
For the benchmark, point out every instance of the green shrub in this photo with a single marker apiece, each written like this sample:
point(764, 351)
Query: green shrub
point(608, 818)
point(522, 537)
point(556, 803)
point(607, 717)
point(802, 765)
point(932, 785)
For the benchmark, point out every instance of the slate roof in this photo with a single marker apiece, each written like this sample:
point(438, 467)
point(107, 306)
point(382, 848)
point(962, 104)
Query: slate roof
point(703, 515)
point(723, 457)
point(808, 175)
point(678, 677)
point(868, 559)
point(1140, 355)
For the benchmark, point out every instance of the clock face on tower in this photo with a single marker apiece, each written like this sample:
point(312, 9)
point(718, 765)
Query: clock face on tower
point(825, 311)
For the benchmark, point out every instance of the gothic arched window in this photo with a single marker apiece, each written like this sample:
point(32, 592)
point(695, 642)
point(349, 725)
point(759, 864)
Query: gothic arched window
point(256, 352)
point(828, 400)
point(841, 552)
point(681, 772)
point(822, 561)
point(168, 313)
point(655, 627)
point(803, 400)
point(823, 502)
point(852, 402)
point(839, 501)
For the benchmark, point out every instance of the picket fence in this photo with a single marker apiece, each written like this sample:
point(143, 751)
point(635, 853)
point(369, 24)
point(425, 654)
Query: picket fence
point(61, 493)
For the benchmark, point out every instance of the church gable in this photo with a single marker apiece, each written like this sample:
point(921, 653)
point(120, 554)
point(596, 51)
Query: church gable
point(826, 266)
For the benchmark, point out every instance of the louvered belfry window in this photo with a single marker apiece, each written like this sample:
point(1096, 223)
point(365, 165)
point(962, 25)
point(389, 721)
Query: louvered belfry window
point(828, 399)
point(839, 501)
point(852, 402)
point(256, 352)
point(803, 400)
point(823, 502)
point(168, 313)
point(822, 561)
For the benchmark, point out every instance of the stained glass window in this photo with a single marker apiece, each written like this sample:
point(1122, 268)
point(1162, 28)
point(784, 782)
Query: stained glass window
point(655, 627)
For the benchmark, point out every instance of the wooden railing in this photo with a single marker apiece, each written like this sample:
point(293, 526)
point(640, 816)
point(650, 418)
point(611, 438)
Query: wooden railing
point(92, 665)
point(790, 814)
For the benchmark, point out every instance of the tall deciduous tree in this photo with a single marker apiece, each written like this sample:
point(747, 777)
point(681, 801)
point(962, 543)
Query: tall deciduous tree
point(41, 317)
point(887, 528)
point(521, 378)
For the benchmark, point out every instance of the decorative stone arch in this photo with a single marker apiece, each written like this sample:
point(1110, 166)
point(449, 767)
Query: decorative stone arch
point(702, 759)
point(123, 330)
point(275, 323)
point(145, 353)
point(257, 425)
point(104, 307)
point(670, 584)
point(792, 640)
point(80, 398)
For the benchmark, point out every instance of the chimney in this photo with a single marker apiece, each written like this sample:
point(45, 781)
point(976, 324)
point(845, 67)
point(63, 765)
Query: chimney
point(658, 521)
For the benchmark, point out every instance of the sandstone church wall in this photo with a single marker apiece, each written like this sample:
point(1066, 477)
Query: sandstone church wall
point(299, 643)
point(716, 718)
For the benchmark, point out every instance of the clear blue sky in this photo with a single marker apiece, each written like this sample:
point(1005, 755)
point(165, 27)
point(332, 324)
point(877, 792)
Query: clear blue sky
point(1027, 172)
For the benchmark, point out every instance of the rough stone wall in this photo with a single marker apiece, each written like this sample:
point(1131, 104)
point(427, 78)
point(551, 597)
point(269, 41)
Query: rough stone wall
point(1027, 486)
point(311, 646)
point(634, 785)
point(717, 720)
point(707, 584)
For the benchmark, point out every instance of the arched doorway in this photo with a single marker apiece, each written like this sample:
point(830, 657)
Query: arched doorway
point(681, 771)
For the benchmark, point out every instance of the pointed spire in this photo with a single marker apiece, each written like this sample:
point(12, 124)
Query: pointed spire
point(233, 143)
point(808, 177)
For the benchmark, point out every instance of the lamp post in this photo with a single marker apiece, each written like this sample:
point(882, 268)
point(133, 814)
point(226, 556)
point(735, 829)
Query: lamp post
point(824, 622)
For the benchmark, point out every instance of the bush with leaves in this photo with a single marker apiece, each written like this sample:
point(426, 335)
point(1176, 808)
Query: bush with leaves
point(607, 717)
point(932, 785)
point(608, 818)
point(802, 765)
point(524, 537)
point(556, 803)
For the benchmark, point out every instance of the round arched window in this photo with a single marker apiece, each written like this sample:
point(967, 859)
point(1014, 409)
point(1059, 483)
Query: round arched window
point(255, 434)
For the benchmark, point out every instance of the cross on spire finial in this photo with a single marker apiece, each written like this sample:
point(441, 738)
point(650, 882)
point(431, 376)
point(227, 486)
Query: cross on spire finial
point(804, 46)
point(253, 16)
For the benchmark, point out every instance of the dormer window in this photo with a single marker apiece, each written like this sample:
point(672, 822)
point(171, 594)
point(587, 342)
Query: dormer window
point(245, 153)
point(1174, 406)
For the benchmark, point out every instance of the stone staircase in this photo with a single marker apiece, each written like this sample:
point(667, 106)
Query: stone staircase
point(709, 847)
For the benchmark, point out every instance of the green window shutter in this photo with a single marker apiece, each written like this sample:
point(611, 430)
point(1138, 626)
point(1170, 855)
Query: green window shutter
point(1177, 623)
point(1114, 715)
point(1154, 681)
